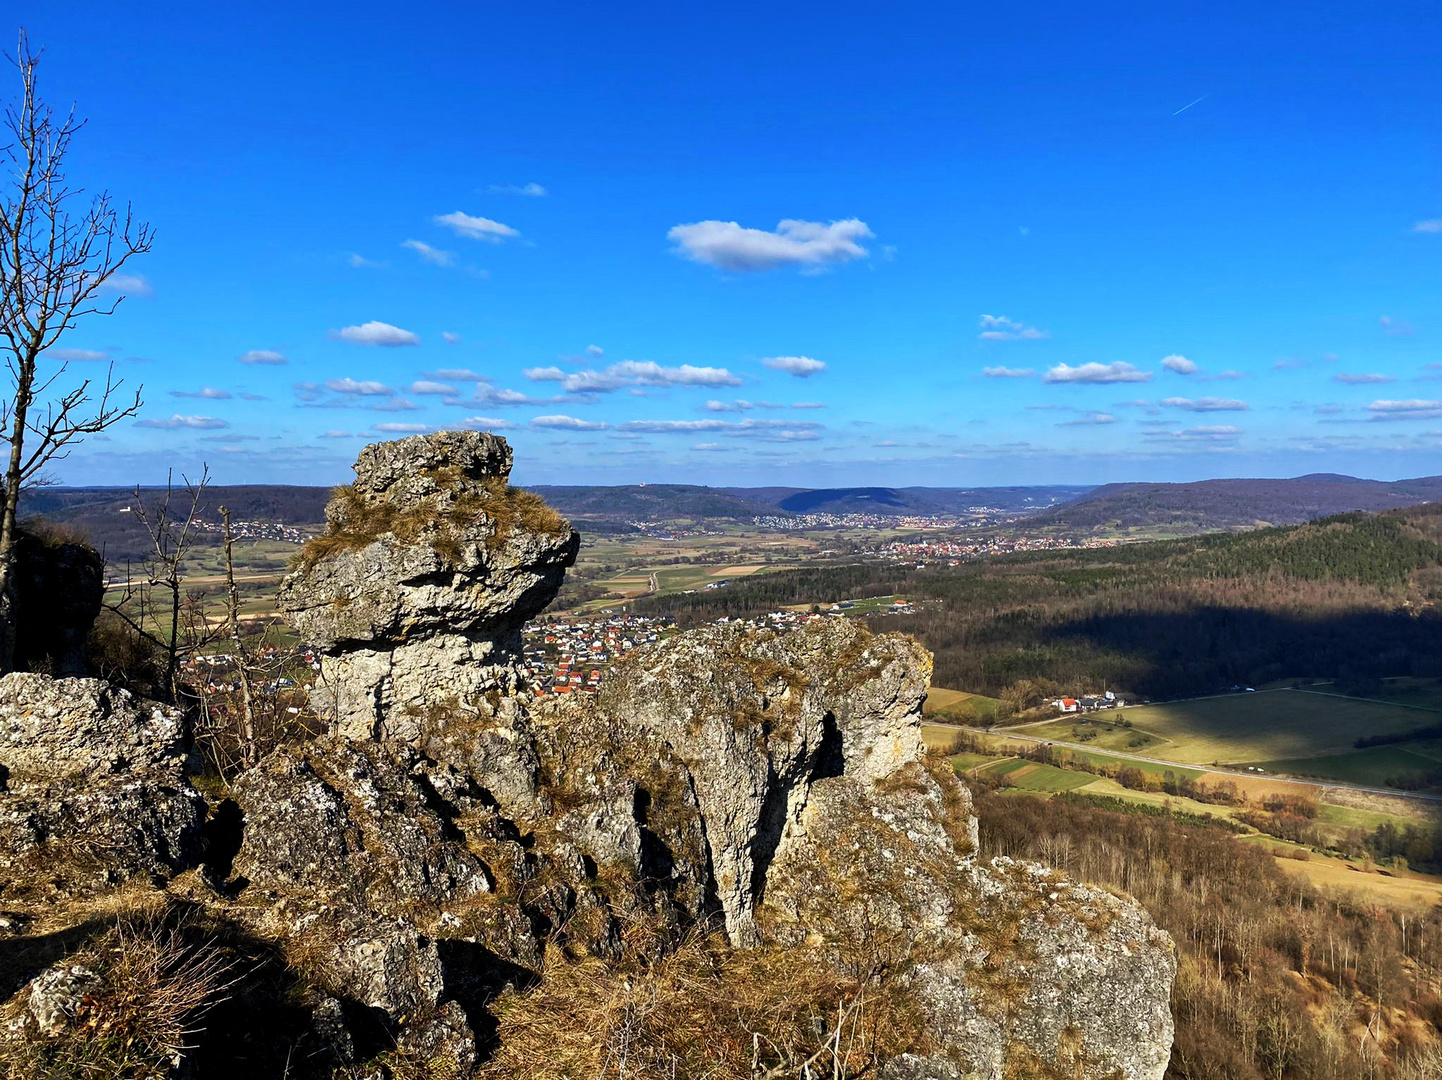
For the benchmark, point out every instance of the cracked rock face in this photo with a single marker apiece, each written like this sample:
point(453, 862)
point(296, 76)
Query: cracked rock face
point(417, 593)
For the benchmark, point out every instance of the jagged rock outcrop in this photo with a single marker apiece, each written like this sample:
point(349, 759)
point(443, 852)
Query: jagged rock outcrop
point(94, 788)
point(417, 593)
point(424, 874)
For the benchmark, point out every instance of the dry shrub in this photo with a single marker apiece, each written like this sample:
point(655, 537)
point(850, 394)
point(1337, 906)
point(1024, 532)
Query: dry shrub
point(362, 521)
point(704, 1010)
point(139, 1019)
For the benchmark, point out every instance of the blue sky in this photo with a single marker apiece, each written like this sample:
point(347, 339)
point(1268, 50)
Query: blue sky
point(770, 244)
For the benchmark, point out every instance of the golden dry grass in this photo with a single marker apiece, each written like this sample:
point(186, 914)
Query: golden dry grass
point(704, 1010)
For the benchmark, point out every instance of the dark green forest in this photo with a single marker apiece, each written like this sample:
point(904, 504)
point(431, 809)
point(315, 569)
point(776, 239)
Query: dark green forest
point(1352, 597)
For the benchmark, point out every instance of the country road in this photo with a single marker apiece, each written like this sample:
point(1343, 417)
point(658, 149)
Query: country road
point(1218, 770)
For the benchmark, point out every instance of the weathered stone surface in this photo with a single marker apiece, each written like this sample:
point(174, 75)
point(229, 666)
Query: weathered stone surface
point(56, 995)
point(354, 824)
point(94, 788)
point(56, 588)
point(84, 727)
point(430, 566)
point(771, 715)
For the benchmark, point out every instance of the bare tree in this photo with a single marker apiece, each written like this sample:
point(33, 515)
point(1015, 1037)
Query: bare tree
point(58, 251)
point(248, 744)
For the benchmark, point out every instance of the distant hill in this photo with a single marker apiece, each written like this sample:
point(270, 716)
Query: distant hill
point(651, 502)
point(1210, 505)
point(910, 500)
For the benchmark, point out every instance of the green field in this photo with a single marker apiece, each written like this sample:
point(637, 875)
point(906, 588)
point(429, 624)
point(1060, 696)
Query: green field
point(943, 704)
point(1032, 776)
point(1373, 766)
point(1269, 725)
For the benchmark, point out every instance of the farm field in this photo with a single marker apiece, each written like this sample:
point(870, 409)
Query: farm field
point(943, 703)
point(1269, 725)
point(1033, 776)
point(1375, 766)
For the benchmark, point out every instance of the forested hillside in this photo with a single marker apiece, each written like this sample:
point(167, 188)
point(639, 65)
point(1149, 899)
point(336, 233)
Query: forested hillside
point(1349, 596)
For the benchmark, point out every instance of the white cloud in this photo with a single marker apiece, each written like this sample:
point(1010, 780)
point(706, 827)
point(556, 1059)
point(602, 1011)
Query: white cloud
point(456, 375)
point(178, 422)
point(1411, 409)
point(807, 244)
point(393, 404)
point(595, 351)
point(351, 386)
point(337, 435)
point(1206, 404)
point(393, 428)
point(1355, 379)
point(211, 393)
point(803, 367)
point(68, 355)
point(631, 373)
point(476, 228)
point(668, 427)
point(1432, 226)
point(426, 386)
point(1394, 327)
point(1000, 328)
point(544, 374)
point(450, 338)
point(532, 190)
point(1117, 372)
point(484, 423)
point(566, 423)
point(262, 356)
point(711, 447)
point(360, 262)
point(1090, 420)
point(1007, 373)
point(375, 333)
point(128, 284)
point(1180, 364)
point(432, 255)
point(807, 405)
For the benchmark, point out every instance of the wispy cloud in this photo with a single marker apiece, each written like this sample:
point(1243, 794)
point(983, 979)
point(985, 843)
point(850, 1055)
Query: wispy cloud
point(262, 356)
point(1206, 404)
point(476, 228)
point(1394, 327)
point(1432, 226)
point(1117, 372)
point(450, 338)
point(71, 355)
point(456, 375)
point(128, 285)
point(375, 333)
point(1179, 364)
point(210, 393)
point(1350, 378)
point(803, 367)
point(633, 373)
point(809, 245)
point(532, 190)
point(1410, 409)
point(1000, 328)
point(365, 388)
point(763, 428)
point(426, 386)
point(432, 255)
point(360, 262)
point(1008, 373)
point(392, 427)
point(562, 422)
point(182, 423)
point(741, 405)
point(1095, 419)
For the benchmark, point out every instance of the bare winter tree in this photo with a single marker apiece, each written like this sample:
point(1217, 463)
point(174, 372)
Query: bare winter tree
point(59, 251)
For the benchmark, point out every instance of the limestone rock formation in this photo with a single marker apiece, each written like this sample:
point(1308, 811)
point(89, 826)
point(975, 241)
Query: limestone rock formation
point(456, 869)
point(54, 597)
point(94, 789)
point(417, 592)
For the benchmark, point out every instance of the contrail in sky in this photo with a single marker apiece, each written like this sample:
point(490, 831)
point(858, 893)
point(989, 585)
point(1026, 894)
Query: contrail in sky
point(1184, 108)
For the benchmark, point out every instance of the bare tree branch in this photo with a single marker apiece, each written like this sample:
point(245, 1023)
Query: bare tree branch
point(57, 252)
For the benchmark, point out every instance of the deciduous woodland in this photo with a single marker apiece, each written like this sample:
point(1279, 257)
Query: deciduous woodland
point(1275, 979)
point(1346, 597)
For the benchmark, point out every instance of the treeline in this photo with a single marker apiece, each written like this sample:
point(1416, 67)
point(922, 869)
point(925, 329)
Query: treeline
point(1348, 597)
point(1274, 979)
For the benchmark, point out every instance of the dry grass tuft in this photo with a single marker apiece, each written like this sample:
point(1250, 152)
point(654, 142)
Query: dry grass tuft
point(139, 1018)
point(704, 1010)
point(362, 521)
